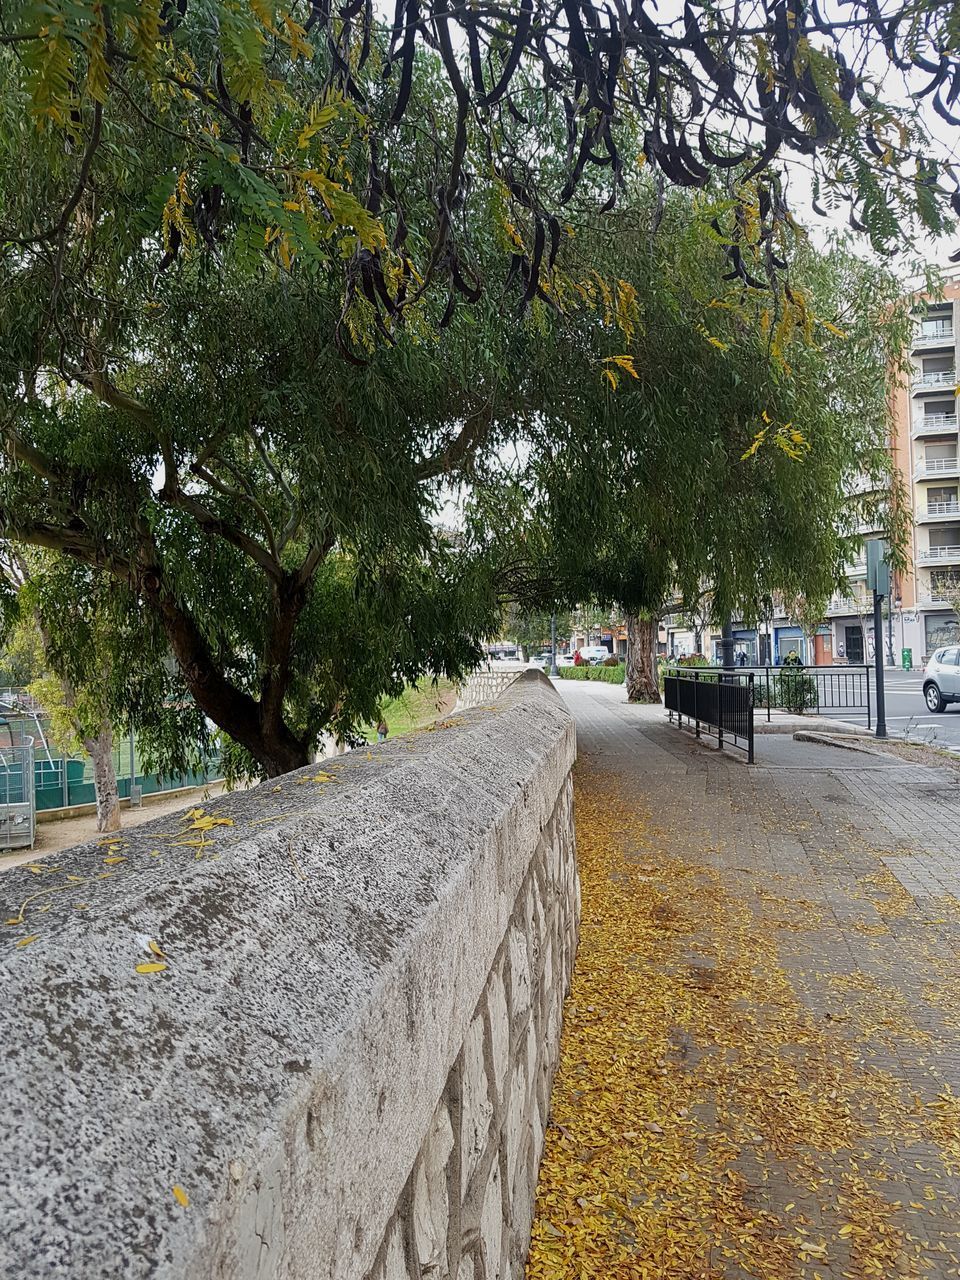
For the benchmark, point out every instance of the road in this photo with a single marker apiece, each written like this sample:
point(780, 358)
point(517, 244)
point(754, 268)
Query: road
point(907, 714)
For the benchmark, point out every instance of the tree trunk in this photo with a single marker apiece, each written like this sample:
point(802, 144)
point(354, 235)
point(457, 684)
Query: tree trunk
point(641, 675)
point(100, 751)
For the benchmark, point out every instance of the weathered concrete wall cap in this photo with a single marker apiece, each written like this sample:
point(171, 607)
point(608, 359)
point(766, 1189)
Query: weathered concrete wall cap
point(226, 1043)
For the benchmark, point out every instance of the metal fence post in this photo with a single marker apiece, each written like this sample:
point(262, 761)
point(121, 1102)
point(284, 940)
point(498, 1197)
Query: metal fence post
point(720, 675)
point(750, 722)
point(63, 779)
point(866, 676)
point(696, 714)
point(768, 692)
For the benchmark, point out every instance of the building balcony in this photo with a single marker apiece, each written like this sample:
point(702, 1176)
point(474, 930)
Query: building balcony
point(937, 468)
point(934, 424)
point(933, 602)
point(934, 381)
point(935, 336)
point(844, 605)
point(856, 568)
point(940, 555)
point(938, 511)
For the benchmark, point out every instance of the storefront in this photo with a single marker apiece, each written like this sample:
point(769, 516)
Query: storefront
point(785, 639)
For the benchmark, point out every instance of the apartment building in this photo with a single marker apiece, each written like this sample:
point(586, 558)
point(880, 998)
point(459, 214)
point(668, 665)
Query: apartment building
point(923, 445)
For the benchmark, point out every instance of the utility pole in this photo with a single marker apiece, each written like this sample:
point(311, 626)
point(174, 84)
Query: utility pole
point(878, 577)
point(553, 645)
point(890, 629)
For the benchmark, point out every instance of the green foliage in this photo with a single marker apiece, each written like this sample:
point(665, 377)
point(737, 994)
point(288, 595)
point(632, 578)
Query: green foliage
point(792, 691)
point(605, 674)
point(725, 457)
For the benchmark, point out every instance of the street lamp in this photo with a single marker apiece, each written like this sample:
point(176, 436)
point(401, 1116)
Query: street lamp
point(553, 645)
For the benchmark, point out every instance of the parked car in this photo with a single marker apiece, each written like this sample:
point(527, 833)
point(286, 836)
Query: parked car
point(941, 679)
point(565, 660)
point(595, 654)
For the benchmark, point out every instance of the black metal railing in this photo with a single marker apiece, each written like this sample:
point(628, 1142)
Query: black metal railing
point(810, 690)
point(713, 700)
point(814, 689)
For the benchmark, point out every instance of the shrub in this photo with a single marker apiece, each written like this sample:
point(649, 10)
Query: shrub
point(792, 691)
point(605, 674)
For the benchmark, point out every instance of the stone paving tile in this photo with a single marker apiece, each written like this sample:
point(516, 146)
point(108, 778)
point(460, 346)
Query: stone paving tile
point(857, 866)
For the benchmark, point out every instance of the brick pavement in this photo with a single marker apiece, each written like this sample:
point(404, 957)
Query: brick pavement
point(843, 871)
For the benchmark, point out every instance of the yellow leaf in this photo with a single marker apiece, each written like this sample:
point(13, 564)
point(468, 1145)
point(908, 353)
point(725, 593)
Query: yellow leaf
point(151, 966)
point(845, 1231)
point(180, 1195)
point(25, 942)
point(154, 948)
point(116, 858)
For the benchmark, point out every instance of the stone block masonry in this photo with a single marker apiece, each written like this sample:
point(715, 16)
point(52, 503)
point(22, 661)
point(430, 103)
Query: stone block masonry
point(343, 1072)
point(488, 683)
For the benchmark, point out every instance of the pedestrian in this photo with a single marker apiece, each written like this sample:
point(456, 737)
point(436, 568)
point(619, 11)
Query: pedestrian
point(382, 730)
point(577, 658)
point(792, 659)
point(742, 657)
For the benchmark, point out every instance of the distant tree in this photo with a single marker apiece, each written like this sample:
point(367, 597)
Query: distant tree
point(66, 625)
point(722, 448)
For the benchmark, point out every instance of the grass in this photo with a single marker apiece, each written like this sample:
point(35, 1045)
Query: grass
point(415, 708)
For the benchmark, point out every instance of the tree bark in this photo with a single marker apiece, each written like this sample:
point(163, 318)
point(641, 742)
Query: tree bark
point(100, 751)
point(641, 675)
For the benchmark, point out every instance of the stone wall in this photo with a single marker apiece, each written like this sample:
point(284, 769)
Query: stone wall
point(343, 1070)
point(467, 1207)
point(487, 683)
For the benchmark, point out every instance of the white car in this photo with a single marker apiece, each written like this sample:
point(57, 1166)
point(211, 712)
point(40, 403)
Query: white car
point(564, 660)
point(594, 654)
point(941, 679)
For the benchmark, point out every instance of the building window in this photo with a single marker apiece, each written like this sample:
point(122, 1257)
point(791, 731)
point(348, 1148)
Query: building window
point(945, 450)
point(944, 582)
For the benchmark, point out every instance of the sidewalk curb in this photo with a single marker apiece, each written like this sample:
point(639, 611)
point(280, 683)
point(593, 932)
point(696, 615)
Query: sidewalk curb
point(838, 740)
point(817, 724)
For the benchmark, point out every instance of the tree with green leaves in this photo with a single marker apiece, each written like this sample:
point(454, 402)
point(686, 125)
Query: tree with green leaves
point(718, 453)
point(255, 318)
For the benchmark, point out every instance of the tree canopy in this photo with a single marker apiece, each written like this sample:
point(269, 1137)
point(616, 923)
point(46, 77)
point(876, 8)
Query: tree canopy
point(264, 298)
point(742, 448)
point(288, 126)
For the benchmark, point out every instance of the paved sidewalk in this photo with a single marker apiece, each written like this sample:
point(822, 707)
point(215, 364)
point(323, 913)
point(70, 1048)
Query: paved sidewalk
point(761, 1058)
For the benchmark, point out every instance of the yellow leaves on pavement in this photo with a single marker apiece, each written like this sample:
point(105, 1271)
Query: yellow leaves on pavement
point(25, 942)
point(180, 1195)
point(151, 966)
point(704, 1121)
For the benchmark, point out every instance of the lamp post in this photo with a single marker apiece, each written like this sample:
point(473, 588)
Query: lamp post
point(878, 579)
point(553, 645)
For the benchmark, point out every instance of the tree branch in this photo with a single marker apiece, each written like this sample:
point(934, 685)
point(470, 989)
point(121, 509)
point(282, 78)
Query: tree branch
point(174, 496)
point(471, 436)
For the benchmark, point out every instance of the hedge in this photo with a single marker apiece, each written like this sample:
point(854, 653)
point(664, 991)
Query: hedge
point(607, 675)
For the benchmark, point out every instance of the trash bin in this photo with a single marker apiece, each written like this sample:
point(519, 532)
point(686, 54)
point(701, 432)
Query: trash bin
point(906, 659)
